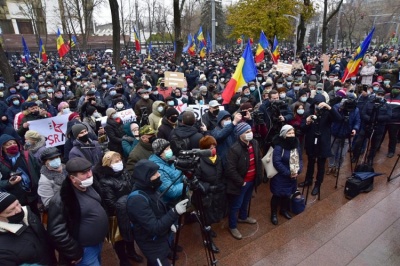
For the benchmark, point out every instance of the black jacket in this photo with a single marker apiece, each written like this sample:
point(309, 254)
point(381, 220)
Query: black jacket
point(164, 130)
point(238, 164)
point(31, 246)
point(113, 185)
point(114, 133)
point(191, 132)
point(63, 221)
point(150, 217)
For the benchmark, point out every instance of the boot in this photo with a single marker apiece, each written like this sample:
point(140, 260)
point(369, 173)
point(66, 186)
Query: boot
point(274, 218)
point(315, 190)
point(131, 252)
point(285, 214)
point(306, 183)
point(213, 247)
point(119, 248)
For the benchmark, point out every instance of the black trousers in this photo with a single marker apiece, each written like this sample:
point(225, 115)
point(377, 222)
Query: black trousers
point(283, 202)
point(320, 169)
point(393, 130)
point(375, 141)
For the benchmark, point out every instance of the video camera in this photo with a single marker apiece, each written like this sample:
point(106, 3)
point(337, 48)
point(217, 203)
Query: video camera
point(258, 117)
point(187, 160)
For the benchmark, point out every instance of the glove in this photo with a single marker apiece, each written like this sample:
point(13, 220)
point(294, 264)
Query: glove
point(173, 228)
point(180, 207)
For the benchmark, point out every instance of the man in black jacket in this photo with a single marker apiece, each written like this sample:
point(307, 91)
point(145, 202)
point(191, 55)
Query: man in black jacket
point(23, 239)
point(77, 222)
point(152, 220)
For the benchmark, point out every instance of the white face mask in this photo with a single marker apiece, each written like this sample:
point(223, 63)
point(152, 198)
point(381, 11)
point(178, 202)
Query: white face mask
point(160, 109)
point(146, 96)
point(86, 183)
point(120, 105)
point(282, 95)
point(117, 167)
point(300, 111)
point(248, 136)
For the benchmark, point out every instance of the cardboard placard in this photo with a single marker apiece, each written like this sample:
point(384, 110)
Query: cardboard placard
point(284, 68)
point(174, 79)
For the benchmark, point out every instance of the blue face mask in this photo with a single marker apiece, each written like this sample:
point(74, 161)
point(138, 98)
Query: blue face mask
point(16, 102)
point(201, 102)
point(112, 93)
point(168, 154)
point(55, 163)
point(227, 123)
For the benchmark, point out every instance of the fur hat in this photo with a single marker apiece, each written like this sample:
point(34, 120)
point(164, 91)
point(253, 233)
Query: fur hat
point(159, 145)
point(31, 134)
point(206, 142)
point(241, 128)
point(110, 112)
point(76, 129)
point(284, 130)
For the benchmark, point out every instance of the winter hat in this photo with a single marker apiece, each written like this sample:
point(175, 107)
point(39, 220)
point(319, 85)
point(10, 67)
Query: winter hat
point(284, 130)
point(341, 93)
point(31, 91)
point(170, 112)
point(30, 104)
point(76, 129)
point(61, 106)
point(77, 164)
point(302, 92)
point(31, 134)
point(206, 142)
point(246, 106)
point(337, 83)
point(73, 116)
point(49, 153)
point(146, 130)
point(319, 98)
point(241, 128)
point(6, 200)
point(90, 110)
point(108, 156)
point(110, 112)
point(159, 146)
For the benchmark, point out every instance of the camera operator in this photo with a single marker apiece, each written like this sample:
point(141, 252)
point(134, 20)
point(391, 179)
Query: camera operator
point(317, 128)
point(276, 114)
point(213, 199)
point(342, 131)
point(243, 174)
point(143, 102)
point(393, 127)
point(151, 219)
point(255, 119)
point(375, 114)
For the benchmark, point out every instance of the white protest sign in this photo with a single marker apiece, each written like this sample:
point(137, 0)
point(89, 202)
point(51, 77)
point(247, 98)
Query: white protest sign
point(127, 116)
point(199, 110)
point(174, 79)
point(284, 68)
point(53, 129)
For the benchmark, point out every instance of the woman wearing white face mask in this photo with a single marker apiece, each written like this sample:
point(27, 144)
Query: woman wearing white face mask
point(367, 72)
point(63, 108)
point(114, 130)
point(52, 174)
point(115, 182)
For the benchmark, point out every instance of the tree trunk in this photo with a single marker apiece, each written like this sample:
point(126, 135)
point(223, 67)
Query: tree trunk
point(325, 22)
point(116, 33)
point(301, 33)
point(178, 34)
point(5, 67)
point(62, 15)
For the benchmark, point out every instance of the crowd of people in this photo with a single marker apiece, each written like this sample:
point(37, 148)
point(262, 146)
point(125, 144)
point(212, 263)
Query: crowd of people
point(68, 198)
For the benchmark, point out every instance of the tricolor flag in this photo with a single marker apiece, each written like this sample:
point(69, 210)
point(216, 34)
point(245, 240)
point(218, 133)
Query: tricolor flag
point(62, 48)
point(354, 64)
point(73, 41)
point(42, 51)
point(186, 48)
point(192, 48)
point(239, 40)
point(149, 51)
point(200, 36)
point(203, 50)
point(245, 72)
point(136, 40)
point(262, 45)
point(26, 51)
point(275, 51)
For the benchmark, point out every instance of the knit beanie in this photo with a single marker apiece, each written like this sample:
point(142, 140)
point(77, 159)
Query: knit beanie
point(6, 200)
point(90, 110)
point(110, 111)
point(31, 134)
point(246, 106)
point(159, 146)
point(241, 128)
point(76, 129)
point(73, 116)
point(206, 142)
point(170, 112)
point(284, 130)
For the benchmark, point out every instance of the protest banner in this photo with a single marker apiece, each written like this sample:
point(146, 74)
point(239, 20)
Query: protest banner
point(174, 79)
point(127, 116)
point(53, 129)
point(284, 68)
point(199, 109)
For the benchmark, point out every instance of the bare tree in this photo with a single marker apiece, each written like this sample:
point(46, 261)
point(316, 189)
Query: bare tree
point(178, 6)
point(35, 10)
point(5, 67)
point(116, 33)
point(325, 21)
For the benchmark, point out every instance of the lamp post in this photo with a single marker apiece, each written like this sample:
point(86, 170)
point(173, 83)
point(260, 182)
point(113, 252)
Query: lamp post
point(297, 18)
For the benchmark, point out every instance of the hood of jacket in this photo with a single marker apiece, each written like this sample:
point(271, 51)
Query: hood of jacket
point(3, 139)
point(155, 106)
point(127, 130)
point(221, 115)
point(144, 169)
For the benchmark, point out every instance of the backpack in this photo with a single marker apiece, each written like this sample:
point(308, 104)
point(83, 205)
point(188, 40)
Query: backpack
point(178, 144)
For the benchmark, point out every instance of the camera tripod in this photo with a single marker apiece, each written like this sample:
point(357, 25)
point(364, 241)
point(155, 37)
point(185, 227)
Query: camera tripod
point(193, 184)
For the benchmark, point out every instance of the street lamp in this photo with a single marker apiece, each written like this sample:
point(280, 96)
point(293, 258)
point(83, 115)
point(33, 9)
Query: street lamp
point(297, 18)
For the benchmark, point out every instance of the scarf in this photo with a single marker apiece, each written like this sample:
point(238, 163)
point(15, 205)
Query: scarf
point(34, 148)
point(294, 161)
point(57, 177)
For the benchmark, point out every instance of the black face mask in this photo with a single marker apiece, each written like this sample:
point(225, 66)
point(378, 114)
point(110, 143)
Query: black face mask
point(84, 138)
point(36, 113)
point(16, 218)
point(173, 119)
point(156, 183)
point(291, 142)
point(72, 104)
point(153, 138)
point(215, 112)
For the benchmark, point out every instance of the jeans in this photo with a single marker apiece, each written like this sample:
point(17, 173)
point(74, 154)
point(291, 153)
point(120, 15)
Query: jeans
point(91, 256)
point(337, 150)
point(240, 203)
